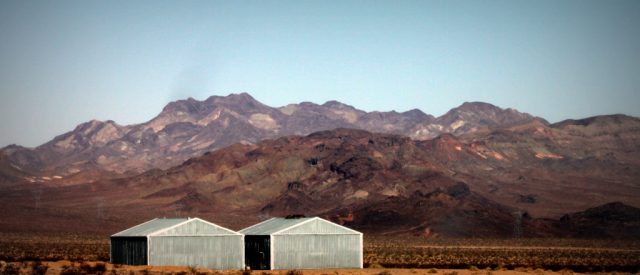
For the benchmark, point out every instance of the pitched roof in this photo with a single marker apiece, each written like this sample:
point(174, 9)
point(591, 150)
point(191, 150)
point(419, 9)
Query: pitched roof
point(313, 225)
point(149, 227)
point(176, 227)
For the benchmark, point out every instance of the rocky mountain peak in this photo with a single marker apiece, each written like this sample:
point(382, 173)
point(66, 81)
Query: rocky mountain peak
point(190, 127)
point(475, 115)
point(95, 127)
point(481, 110)
point(477, 105)
point(417, 114)
point(337, 105)
point(240, 98)
point(11, 148)
point(188, 106)
point(617, 119)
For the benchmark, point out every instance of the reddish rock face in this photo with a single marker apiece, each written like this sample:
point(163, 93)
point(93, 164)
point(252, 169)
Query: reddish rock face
point(189, 128)
point(497, 169)
point(473, 185)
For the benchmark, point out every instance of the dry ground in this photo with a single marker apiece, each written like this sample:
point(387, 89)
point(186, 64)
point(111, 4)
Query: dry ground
point(67, 267)
point(73, 254)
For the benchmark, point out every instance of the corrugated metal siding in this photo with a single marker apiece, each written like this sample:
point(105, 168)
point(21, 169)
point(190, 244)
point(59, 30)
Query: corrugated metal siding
point(316, 251)
point(149, 227)
point(216, 252)
point(271, 226)
point(129, 250)
point(318, 226)
point(196, 227)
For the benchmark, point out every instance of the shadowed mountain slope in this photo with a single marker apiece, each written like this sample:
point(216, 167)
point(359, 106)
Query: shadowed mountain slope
point(189, 128)
point(484, 184)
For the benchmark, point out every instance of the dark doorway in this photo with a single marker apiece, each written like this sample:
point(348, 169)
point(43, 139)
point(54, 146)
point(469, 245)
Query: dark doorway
point(257, 252)
point(129, 250)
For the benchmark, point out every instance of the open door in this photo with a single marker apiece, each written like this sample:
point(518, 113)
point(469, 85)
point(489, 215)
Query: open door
point(129, 250)
point(257, 252)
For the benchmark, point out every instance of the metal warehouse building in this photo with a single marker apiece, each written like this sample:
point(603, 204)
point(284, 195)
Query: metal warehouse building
point(301, 243)
point(179, 242)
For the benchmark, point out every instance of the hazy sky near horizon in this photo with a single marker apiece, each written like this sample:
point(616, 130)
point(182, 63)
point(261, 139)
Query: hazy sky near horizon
point(66, 62)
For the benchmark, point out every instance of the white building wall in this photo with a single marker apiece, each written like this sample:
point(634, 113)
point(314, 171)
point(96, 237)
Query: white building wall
point(215, 252)
point(308, 251)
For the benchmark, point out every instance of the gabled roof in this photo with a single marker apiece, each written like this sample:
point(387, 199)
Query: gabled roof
point(175, 227)
point(282, 226)
point(146, 228)
point(271, 226)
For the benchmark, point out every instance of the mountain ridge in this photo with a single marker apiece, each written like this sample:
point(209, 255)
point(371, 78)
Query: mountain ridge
point(477, 185)
point(188, 128)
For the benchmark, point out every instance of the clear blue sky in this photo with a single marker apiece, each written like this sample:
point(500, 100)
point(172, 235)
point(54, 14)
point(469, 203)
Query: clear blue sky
point(66, 62)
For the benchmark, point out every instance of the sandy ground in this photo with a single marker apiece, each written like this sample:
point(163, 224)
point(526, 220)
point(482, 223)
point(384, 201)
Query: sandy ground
point(55, 268)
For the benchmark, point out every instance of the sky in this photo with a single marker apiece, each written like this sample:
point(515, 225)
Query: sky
point(67, 62)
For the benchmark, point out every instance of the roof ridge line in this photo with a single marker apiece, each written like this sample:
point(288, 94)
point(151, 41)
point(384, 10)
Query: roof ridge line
point(135, 226)
point(256, 224)
point(170, 227)
point(218, 226)
point(294, 225)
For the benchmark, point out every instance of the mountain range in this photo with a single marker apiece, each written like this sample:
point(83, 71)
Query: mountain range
point(477, 170)
point(190, 128)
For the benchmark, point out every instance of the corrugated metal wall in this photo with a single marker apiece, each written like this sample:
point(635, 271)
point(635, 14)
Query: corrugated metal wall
point(316, 251)
point(216, 252)
point(196, 227)
point(318, 227)
point(129, 250)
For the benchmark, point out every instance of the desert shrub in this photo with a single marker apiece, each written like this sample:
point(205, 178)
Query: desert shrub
point(11, 269)
point(98, 268)
point(86, 268)
point(294, 272)
point(37, 268)
point(539, 271)
point(71, 270)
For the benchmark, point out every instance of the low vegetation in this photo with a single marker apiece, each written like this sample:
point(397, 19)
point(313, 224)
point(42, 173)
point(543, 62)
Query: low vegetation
point(382, 255)
point(476, 254)
point(21, 248)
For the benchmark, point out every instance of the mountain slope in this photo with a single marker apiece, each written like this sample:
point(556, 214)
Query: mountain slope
point(612, 220)
point(496, 181)
point(8, 173)
point(189, 128)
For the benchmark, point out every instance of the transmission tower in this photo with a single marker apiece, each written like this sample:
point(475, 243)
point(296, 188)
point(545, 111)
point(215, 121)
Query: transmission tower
point(517, 225)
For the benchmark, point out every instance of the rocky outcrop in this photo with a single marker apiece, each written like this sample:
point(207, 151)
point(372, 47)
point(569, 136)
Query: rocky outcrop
point(189, 128)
